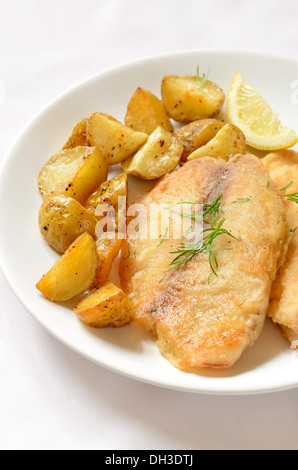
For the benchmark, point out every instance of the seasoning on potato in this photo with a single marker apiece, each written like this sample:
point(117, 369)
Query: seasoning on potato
point(78, 137)
point(160, 155)
point(106, 307)
point(196, 134)
point(74, 173)
point(108, 193)
point(185, 100)
point(62, 220)
point(228, 141)
point(116, 141)
point(114, 194)
point(145, 112)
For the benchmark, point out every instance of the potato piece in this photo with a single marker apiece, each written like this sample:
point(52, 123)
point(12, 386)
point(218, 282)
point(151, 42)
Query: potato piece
point(62, 220)
point(74, 272)
point(74, 173)
point(185, 101)
point(108, 249)
point(114, 193)
point(116, 141)
point(228, 141)
point(108, 193)
point(196, 134)
point(146, 112)
point(159, 156)
point(78, 137)
point(106, 307)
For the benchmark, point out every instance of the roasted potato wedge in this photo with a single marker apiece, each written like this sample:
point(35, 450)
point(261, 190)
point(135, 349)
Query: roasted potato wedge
point(108, 193)
point(62, 220)
point(116, 141)
point(106, 307)
point(196, 134)
point(74, 173)
point(114, 194)
point(74, 272)
point(146, 112)
point(108, 249)
point(160, 155)
point(185, 101)
point(228, 141)
point(78, 137)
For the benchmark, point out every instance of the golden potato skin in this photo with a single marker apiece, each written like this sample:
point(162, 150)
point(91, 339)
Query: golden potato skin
point(78, 137)
point(74, 272)
point(185, 101)
point(106, 307)
point(196, 134)
point(228, 141)
point(108, 193)
point(62, 220)
point(73, 173)
point(145, 112)
point(159, 156)
point(108, 249)
point(116, 141)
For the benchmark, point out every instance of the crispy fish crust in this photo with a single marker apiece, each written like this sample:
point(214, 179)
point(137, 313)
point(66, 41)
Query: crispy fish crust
point(199, 322)
point(283, 168)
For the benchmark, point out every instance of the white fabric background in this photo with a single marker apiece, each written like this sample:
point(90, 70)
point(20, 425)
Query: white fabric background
point(50, 398)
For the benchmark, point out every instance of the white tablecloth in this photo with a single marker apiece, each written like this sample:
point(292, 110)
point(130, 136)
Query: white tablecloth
point(51, 398)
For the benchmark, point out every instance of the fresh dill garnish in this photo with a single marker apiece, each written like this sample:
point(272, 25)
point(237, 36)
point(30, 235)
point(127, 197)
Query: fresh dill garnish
point(201, 81)
point(292, 197)
point(163, 238)
point(210, 216)
point(293, 230)
point(129, 253)
point(239, 200)
point(186, 231)
point(288, 185)
point(268, 185)
point(187, 251)
point(211, 209)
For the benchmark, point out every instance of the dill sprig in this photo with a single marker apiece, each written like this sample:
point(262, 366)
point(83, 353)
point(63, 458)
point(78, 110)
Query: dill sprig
point(163, 238)
point(201, 81)
point(187, 251)
point(287, 186)
point(241, 200)
point(210, 209)
point(292, 197)
point(129, 253)
point(210, 216)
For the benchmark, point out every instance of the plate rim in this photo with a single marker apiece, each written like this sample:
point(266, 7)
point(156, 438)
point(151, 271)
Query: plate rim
point(34, 119)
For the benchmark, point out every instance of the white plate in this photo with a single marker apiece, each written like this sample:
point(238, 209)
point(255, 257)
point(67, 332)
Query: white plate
point(270, 365)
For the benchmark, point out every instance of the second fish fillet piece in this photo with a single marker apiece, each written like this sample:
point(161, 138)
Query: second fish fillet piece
point(283, 169)
point(200, 320)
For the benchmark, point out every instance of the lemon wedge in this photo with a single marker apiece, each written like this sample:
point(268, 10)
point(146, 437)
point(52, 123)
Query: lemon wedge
point(248, 110)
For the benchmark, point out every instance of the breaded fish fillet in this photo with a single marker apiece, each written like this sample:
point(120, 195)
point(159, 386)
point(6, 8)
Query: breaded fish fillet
point(200, 320)
point(283, 168)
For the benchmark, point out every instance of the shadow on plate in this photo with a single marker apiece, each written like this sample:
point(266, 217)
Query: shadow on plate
point(135, 339)
point(270, 344)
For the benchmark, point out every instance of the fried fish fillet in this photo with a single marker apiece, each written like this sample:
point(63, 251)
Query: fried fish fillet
point(283, 168)
point(200, 320)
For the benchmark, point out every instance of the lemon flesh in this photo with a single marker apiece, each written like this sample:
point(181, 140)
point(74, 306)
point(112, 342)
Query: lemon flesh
point(262, 128)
